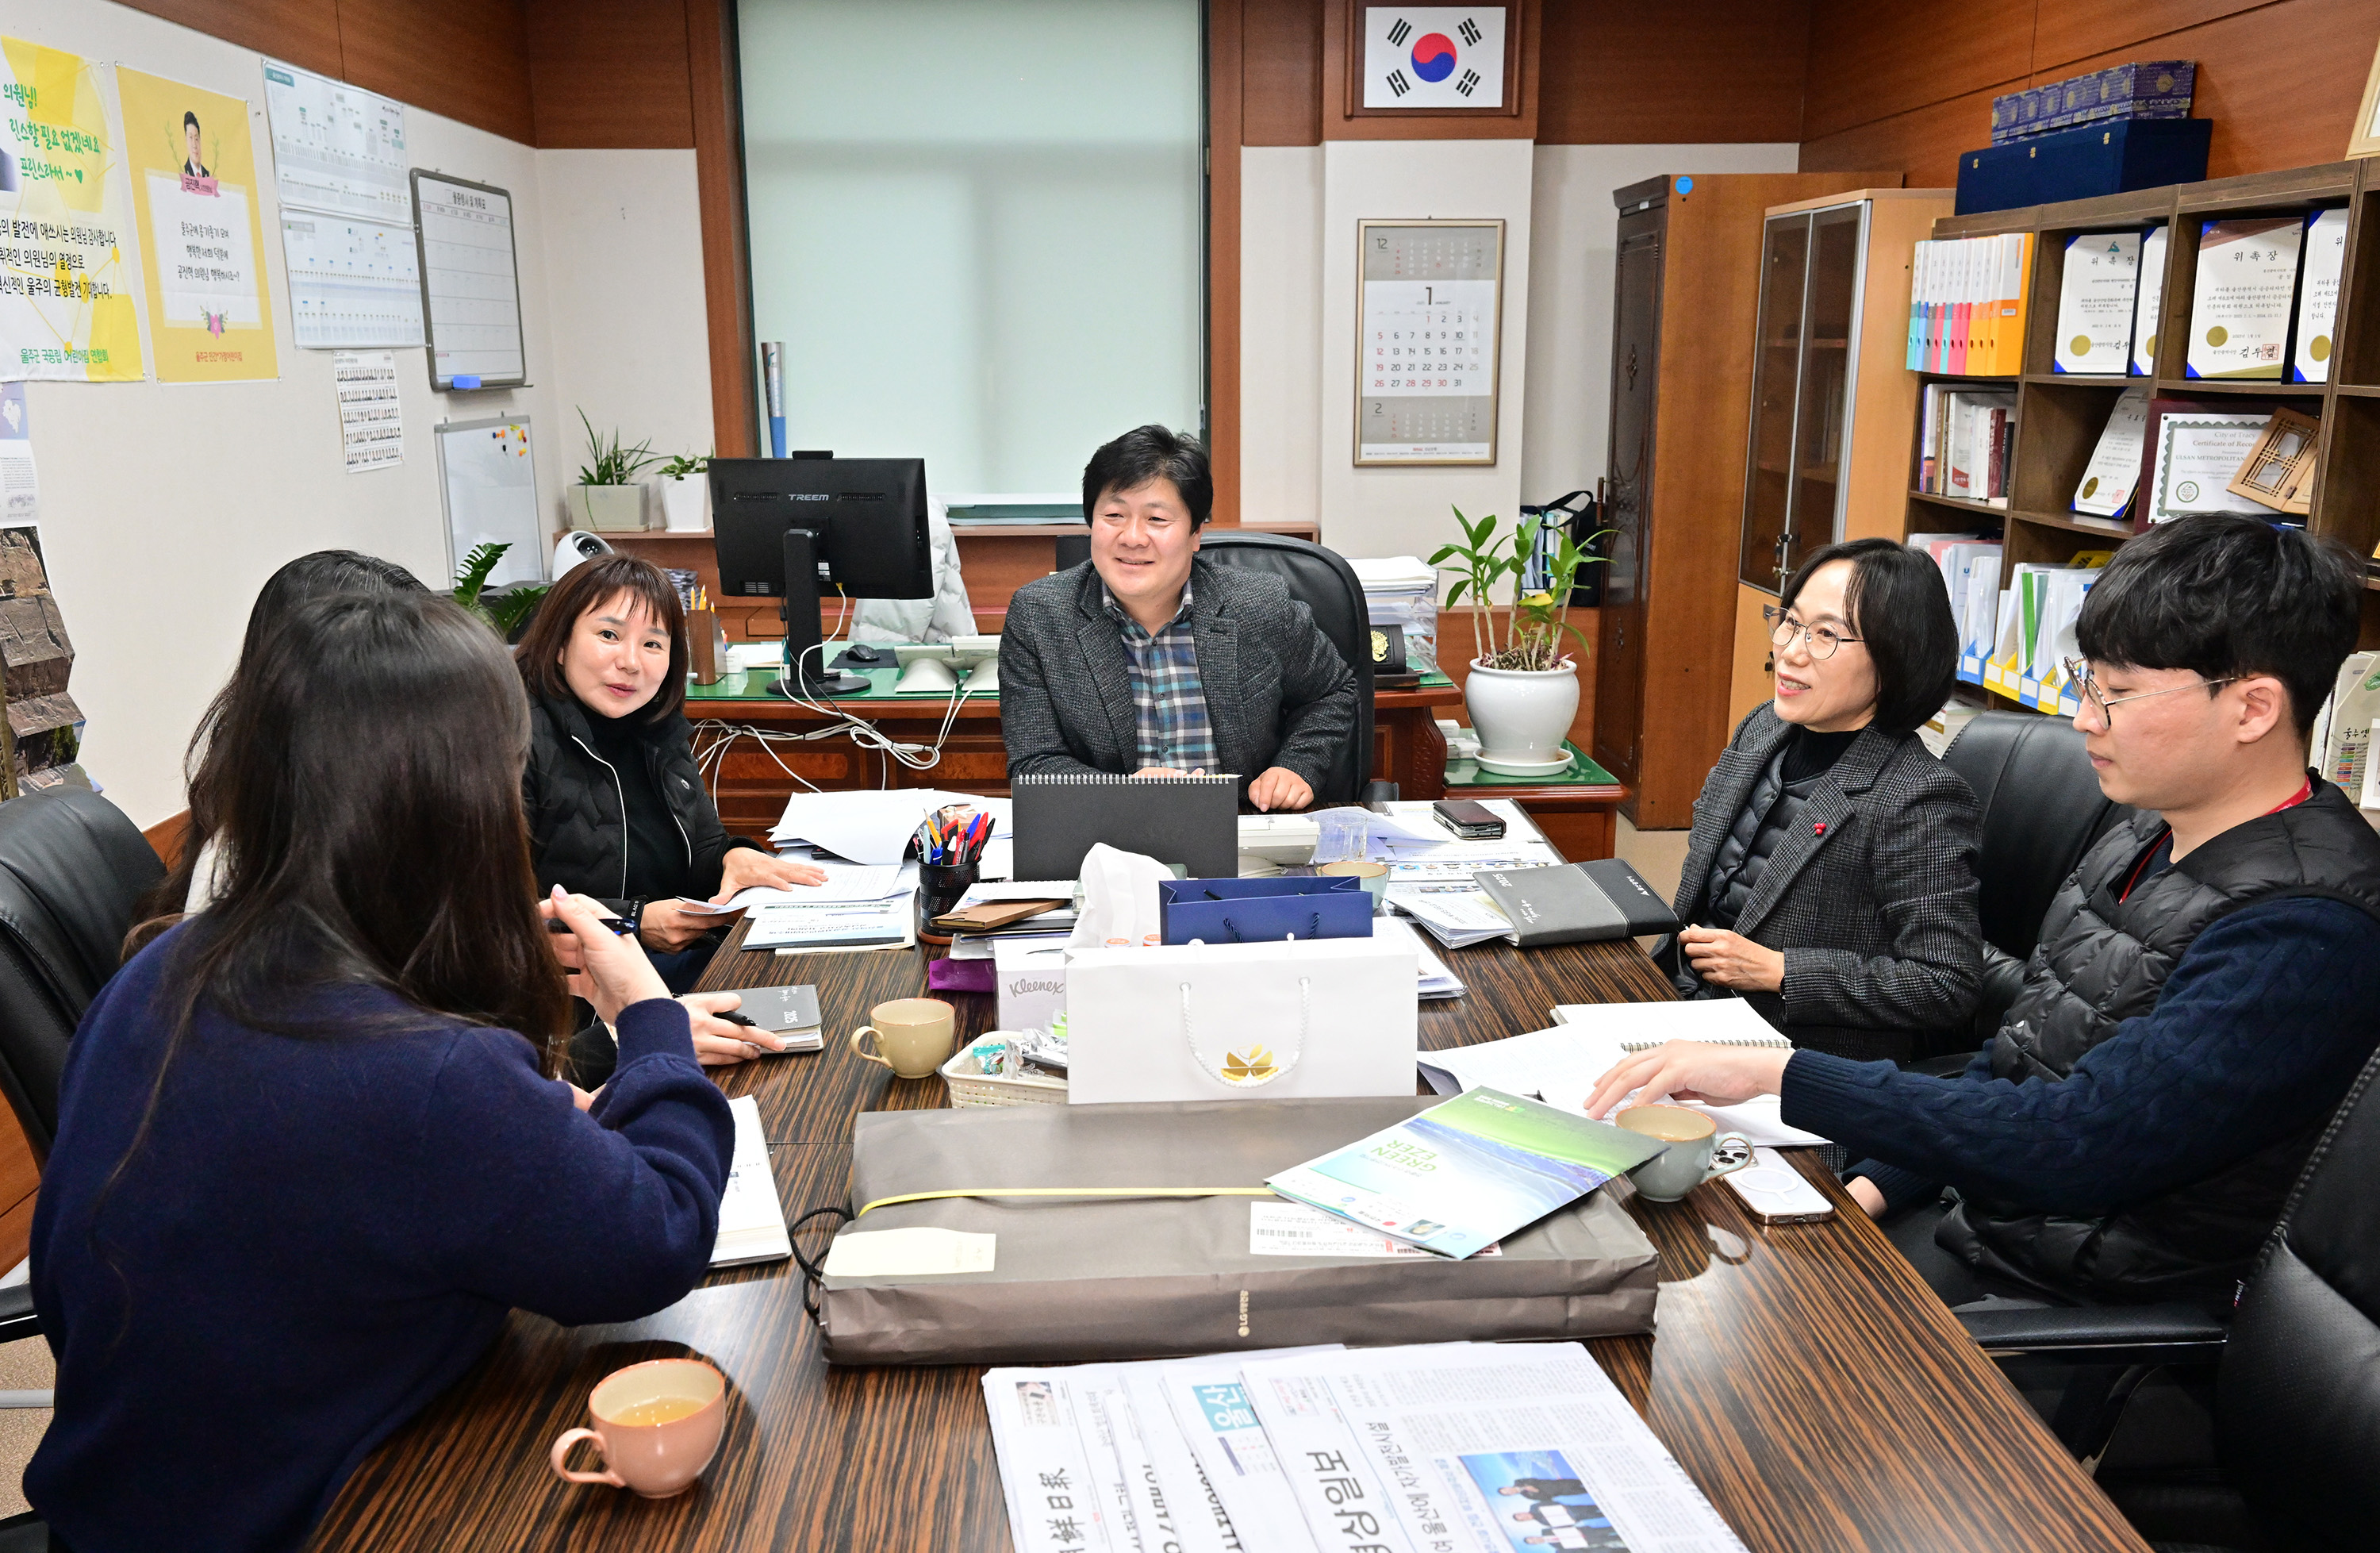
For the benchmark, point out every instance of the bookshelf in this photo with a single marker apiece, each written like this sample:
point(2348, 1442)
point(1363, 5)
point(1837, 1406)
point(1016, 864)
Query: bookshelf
point(2060, 415)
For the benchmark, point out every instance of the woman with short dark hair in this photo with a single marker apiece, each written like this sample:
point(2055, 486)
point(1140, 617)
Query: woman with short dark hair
point(1829, 879)
point(310, 1148)
point(617, 806)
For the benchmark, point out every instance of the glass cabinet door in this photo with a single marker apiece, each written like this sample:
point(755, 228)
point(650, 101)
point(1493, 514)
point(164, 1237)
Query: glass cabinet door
point(1775, 381)
point(1823, 407)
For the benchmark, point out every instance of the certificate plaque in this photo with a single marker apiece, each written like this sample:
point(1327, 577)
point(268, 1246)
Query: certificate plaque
point(2095, 302)
point(2240, 309)
point(2325, 259)
point(2150, 301)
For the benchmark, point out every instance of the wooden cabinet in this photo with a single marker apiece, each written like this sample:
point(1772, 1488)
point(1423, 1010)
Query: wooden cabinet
point(1685, 298)
point(1832, 405)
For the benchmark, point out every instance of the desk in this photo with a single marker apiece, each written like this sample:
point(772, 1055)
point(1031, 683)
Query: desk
point(1575, 807)
point(1804, 1376)
point(752, 786)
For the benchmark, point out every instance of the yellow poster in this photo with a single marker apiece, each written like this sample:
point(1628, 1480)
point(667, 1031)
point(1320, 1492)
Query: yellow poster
point(65, 311)
point(202, 230)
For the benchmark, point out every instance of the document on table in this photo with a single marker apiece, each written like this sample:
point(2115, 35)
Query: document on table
point(1457, 912)
point(751, 1216)
point(1561, 1065)
point(1411, 1450)
point(1435, 980)
point(875, 827)
point(856, 924)
point(846, 883)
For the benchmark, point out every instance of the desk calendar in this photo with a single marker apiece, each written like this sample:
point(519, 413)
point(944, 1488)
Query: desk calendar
point(1429, 317)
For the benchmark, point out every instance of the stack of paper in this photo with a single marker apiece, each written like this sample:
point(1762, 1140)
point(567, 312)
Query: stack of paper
point(846, 883)
point(1430, 869)
point(872, 828)
point(811, 929)
point(1468, 1448)
point(1562, 1065)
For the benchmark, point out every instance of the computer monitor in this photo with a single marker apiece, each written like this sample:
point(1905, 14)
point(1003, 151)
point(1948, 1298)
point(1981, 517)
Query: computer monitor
point(783, 526)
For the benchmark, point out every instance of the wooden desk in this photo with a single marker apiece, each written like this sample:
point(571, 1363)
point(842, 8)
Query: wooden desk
point(1576, 808)
point(1807, 1380)
point(752, 786)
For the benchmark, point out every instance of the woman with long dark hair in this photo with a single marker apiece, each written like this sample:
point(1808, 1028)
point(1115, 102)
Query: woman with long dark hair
point(1829, 879)
point(310, 1147)
point(616, 805)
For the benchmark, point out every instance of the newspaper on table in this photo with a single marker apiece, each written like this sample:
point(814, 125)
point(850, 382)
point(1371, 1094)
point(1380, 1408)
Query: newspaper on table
point(1454, 1448)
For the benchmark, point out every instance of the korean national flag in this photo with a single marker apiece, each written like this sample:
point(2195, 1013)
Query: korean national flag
point(1434, 56)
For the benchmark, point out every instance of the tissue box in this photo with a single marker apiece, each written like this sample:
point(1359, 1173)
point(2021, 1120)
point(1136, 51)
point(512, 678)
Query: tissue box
point(1030, 976)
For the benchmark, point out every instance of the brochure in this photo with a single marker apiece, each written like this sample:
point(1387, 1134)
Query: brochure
point(2095, 302)
point(1461, 1176)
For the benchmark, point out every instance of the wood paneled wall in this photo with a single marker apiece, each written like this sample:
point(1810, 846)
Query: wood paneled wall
point(1896, 85)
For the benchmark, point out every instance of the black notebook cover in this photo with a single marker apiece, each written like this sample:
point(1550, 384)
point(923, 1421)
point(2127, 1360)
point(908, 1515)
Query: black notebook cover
point(1576, 902)
point(1193, 821)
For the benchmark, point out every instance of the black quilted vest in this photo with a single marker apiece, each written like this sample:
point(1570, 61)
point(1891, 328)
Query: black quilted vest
point(2101, 960)
point(1771, 811)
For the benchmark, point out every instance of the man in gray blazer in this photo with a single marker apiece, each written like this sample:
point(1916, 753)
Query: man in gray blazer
point(1151, 662)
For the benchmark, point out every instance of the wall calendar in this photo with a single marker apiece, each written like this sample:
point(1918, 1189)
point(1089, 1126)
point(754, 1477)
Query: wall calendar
point(1428, 321)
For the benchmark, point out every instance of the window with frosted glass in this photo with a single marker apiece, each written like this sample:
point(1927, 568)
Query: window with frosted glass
point(976, 227)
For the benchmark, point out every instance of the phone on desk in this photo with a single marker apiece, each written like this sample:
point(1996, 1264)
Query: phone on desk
point(1468, 818)
point(1778, 1193)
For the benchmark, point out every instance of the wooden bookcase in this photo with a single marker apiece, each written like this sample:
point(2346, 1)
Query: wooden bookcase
point(2060, 415)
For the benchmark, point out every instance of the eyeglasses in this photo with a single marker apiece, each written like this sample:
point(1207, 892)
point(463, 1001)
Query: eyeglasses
point(2079, 674)
point(1782, 629)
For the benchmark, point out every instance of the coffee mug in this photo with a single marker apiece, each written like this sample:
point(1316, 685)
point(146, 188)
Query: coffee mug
point(657, 1424)
point(1374, 874)
point(913, 1036)
point(1694, 1140)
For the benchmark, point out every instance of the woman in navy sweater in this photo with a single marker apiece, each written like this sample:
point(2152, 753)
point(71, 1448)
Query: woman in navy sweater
point(309, 1151)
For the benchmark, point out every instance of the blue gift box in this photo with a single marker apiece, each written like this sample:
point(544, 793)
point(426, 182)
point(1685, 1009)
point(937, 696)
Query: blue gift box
point(2105, 158)
point(1256, 911)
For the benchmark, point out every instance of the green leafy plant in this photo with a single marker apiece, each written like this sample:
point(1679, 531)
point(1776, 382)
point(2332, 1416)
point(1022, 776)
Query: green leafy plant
point(613, 465)
point(679, 465)
point(1533, 629)
point(504, 611)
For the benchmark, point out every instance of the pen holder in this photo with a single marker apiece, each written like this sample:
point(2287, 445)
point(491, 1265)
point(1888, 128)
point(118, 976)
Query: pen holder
point(706, 645)
point(940, 885)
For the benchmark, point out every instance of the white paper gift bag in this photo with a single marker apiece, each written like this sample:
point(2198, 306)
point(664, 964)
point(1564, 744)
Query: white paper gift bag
point(1307, 1020)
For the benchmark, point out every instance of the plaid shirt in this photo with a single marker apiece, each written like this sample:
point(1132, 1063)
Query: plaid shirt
point(1169, 704)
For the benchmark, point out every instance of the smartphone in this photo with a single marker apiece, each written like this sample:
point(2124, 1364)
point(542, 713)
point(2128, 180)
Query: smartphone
point(1468, 818)
point(1778, 1193)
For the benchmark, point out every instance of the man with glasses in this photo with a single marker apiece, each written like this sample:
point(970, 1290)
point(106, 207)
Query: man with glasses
point(2205, 986)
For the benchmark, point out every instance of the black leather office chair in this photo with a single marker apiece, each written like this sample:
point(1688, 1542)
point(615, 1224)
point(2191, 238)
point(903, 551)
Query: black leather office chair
point(1324, 581)
point(2297, 1397)
point(2041, 810)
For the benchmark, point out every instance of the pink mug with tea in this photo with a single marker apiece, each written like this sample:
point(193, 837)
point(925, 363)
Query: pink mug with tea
point(657, 1424)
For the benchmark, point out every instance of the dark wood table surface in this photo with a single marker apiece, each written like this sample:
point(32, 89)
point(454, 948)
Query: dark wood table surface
point(1804, 1377)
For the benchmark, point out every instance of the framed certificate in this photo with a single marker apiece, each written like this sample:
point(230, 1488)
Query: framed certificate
point(2194, 455)
point(1428, 321)
point(2364, 140)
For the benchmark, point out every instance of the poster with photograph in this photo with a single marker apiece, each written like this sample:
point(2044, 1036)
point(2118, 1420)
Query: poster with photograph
point(66, 306)
point(194, 192)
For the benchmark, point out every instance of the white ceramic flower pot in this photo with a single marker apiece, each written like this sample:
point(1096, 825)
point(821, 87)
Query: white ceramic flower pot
point(686, 503)
point(1522, 715)
point(607, 508)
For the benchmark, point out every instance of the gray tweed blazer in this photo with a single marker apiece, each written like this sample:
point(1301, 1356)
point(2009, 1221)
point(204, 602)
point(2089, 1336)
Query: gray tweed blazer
point(1872, 898)
point(1278, 692)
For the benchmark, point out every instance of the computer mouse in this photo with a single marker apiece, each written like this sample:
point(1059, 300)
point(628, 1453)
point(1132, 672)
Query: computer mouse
point(860, 652)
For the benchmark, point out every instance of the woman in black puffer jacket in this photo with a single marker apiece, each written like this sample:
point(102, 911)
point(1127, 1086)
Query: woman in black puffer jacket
point(617, 806)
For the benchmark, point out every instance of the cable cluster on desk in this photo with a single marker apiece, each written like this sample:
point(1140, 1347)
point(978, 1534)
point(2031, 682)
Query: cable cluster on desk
point(713, 736)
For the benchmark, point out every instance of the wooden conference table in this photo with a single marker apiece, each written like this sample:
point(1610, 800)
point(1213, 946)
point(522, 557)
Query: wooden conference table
point(1804, 1376)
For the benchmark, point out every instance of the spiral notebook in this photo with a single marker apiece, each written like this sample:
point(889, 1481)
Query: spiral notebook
point(1193, 821)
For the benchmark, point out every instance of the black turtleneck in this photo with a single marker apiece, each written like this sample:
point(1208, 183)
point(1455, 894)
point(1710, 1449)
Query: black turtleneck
point(658, 868)
point(1810, 753)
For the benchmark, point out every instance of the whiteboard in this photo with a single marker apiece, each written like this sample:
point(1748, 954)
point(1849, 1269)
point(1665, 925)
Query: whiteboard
point(470, 283)
point(490, 481)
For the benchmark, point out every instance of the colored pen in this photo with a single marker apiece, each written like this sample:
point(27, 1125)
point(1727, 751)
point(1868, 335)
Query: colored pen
point(620, 925)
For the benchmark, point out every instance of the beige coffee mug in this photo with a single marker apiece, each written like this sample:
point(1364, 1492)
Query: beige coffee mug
point(913, 1036)
point(1694, 1140)
point(657, 1424)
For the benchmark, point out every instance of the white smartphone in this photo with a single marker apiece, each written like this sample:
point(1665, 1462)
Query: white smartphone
point(1778, 1193)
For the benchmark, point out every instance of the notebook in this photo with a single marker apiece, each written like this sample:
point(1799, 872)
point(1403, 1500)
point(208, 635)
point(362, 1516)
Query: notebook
point(790, 1012)
point(752, 1219)
point(1190, 820)
point(1576, 902)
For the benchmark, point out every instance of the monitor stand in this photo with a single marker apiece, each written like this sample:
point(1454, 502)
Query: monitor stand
point(804, 675)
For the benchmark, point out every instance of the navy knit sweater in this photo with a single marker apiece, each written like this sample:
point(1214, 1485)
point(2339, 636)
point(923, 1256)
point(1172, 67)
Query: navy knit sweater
point(2258, 1031)
point(319, 1234)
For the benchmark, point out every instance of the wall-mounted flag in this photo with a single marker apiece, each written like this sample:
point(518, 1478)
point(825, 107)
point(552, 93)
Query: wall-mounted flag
point(1434, 56)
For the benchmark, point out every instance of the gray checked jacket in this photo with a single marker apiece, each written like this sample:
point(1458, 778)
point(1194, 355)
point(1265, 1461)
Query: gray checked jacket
point(1278, 692)
point(1872, 898)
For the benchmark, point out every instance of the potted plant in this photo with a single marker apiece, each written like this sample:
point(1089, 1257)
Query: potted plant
point(504, 611)
point(1523, 690)
point(605, 498)
point(685, 492)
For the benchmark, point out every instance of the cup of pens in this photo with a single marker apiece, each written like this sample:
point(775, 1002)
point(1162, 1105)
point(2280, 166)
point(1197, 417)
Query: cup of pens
point(949, 856)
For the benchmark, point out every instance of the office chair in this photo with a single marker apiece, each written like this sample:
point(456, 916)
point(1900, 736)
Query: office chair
point(2296, 1394)
point(1326, 584)
point(72, 867)
point(2040, 809)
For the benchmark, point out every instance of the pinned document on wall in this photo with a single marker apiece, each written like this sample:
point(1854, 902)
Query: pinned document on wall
point(347, 214)
point(372, 425)
point(1428, 313)
point(490, 483)
point(200, 212)
point(66, 302)
point(21, 486)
